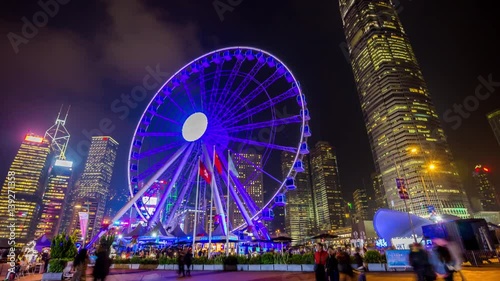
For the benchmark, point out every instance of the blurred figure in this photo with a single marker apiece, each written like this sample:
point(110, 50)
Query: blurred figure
point(419, 260)
point(188, 261)
point(320, 259)
point(102, 265)
point(180, 262)
point(359, 264)
point(80, 265)
point(332, 265)
point(345, 269)
point(443, 261)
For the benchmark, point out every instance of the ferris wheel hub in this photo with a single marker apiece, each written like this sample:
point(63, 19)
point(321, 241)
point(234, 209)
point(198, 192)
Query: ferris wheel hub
point(195, 126)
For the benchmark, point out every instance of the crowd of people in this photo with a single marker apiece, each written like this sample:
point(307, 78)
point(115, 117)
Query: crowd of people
point(101, 266)
point(335, 264)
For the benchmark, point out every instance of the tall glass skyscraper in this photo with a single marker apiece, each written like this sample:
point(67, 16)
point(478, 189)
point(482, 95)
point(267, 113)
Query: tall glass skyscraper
point(487, 193)
point(494, 120)
point(404, 130)
point(326, 188)
point(92, 190)
point(299, 210)
point(24, 183)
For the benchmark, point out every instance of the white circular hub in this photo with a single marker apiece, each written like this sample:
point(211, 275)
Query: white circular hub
point(195, 126)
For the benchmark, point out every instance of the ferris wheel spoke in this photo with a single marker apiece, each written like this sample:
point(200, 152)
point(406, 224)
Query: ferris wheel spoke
point(246, 81)
point(202, 88)
point(157, 150)
point(158, 134)
point(165, 118)
point(267, 104)
point(258, 168)
point(229, 84)
point(248, 98)
point(154, 218)
point(265, 124)
point(189, 95)
point(215, 86)
point(182, 195)
point(261, 144)
point(175, 104)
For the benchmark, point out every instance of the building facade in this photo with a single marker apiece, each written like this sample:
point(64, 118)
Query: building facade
point(93, 189)
point(249, 166)
point(23, 187)
point(54, 198)
point(494, 120)
point(326, 188)
point(299, 209)
point(361, 206)
point(404, 130)
point(487, 194)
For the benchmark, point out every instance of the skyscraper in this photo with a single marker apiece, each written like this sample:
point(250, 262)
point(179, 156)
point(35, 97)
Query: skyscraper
point(361, 207)
point(23, 187)
point(326, 187)
point(403, 127)
point(299, 209)
point(494, 120)
point(487, 194)
point(379, 200)
point(93, 187)
point(57, 187)
point(250, 176)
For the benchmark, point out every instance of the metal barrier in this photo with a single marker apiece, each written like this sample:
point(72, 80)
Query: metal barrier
point(477, 258)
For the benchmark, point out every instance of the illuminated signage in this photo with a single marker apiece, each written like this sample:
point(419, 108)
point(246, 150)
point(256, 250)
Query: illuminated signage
point(33, 139)
point(150, 201)
point(63, 163)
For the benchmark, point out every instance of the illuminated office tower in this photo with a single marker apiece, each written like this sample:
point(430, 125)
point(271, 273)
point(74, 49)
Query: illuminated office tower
point(361, 206)
point(299, 209)
point(248, 165)
point(379, 200)
point(326, 187)
point(487, 194)
point(494, 120)
point(404, 130)
point(93, 188)
point(25, 179)
point(57, 187)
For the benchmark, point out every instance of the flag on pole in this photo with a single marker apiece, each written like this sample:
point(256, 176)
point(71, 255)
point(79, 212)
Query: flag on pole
point(217, 163)
point(231, 166)
point(403, 192)
point(204, 173)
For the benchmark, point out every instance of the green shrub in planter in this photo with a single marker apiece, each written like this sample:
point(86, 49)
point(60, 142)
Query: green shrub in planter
point(383, 259)
point(281, 259)
point(267, 258)
point(167, 260)
point(217, 260)
point(148, 261)
point(296, 259)
point(308, 258)
point(199, 260)
point(373, 256)
point(135, 260)
point(254, 260)
point(242, 260)
point(57, 265)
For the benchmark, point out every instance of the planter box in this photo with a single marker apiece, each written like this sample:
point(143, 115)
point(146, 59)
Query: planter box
point(148, 266)
point(230, 267)
point(52, 276)
point(170, 267)
point(242, 267)
point(280, 267)
point(197, 267)
point(376, 267)
point(121, 266)
point(266, 267)
point(160, 267)
point(208, 267)
point(308, 267)
point(134, 266)
point(112, 266)
point(218, 267)
point(254, 267)
point(294, 267)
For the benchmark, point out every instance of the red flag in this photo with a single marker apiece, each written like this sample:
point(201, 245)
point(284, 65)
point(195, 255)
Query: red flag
point(218, 164)
point(204, 173)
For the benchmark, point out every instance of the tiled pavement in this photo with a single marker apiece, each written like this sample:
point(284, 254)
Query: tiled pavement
point(487, 273)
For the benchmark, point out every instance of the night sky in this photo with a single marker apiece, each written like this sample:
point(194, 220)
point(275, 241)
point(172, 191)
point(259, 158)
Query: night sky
point(93, 51)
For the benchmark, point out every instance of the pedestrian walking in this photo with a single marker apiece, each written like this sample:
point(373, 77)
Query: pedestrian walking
point(359, 264)
point(102, 265)
point(346, 272)
point(80, 265)
point(332, 265)
point(188, 261)
point(320, 259)
point(419, 260)
point(180, 262)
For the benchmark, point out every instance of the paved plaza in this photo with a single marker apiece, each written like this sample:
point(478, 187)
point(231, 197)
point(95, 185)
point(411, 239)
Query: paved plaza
point(487, 273)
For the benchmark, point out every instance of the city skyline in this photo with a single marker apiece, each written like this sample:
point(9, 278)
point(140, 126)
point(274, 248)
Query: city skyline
point(332, 113)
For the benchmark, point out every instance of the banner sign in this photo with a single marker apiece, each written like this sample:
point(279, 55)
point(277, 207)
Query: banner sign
point(84, 219)
point(398, 258)
point(403, 192)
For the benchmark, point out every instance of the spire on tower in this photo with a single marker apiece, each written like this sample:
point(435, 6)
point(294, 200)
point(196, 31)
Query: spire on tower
point(58, 135)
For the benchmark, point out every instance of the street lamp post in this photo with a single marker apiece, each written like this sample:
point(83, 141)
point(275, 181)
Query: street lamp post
point(406, 206)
